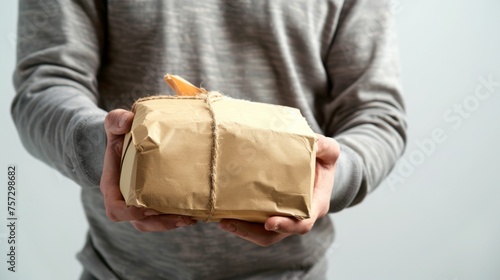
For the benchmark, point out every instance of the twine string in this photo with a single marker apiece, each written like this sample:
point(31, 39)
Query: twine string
point(209, 98)
point(212, 97)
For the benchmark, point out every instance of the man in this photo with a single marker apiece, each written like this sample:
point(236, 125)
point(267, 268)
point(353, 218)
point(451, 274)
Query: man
point(334, 60)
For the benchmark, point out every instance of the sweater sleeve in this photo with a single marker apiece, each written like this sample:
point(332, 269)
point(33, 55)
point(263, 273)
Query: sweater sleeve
point(55, 110)
point(365, 110)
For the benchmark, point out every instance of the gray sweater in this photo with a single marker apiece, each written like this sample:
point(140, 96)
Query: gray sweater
point(334, 60)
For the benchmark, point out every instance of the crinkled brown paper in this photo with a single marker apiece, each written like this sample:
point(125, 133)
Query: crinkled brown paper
point(264, 162)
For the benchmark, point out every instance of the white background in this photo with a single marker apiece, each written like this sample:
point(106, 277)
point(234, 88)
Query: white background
point(436, 217)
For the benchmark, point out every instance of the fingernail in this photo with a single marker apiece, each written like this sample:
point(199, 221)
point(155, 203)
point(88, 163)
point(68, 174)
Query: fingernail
point(122, 121)
point(150, 213)
point(276, 227)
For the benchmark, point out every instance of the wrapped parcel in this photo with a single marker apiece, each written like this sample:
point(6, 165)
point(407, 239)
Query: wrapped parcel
point(212, 157)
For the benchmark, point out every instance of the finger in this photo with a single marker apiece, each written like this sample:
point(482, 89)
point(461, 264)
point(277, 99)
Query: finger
point(118, 211)
point(118, 122)
point(326, 158)
point(162, 223)
point(110, 178)
point(253, 232)
point(328, 150)
point(110, 188)
point(289, 225)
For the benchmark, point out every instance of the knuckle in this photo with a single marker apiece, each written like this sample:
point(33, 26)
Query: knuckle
point(336, 149)
point(305, 229)
point(170, 226)
point(243, 234)
point(109, 119)
point(135, 213)
point(324, 211)
point(336, 156)
point(166, 223)
point(268, 241)
point(153, 224)
point(111, 215)
point(139, 226)
point(265, 243)
point(116, 146)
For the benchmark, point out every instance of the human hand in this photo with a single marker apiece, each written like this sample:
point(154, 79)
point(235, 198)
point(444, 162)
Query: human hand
point(277, 228)
point(117, 124)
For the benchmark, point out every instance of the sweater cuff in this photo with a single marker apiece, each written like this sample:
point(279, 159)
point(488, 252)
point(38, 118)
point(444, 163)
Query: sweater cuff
point(89, 140)
point(348, 180)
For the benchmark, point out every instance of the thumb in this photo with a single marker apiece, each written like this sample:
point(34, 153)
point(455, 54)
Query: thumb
point(328, 150)
point(118, 122)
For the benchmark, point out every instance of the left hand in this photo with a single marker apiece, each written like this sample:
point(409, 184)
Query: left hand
point(277, 228)
point(117, 124)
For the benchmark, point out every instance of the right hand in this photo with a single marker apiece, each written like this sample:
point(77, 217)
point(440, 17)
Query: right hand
point(117, 124)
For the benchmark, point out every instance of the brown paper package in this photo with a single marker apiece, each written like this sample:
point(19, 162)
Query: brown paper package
point(213, 157)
